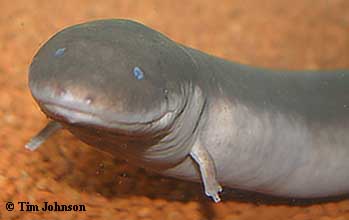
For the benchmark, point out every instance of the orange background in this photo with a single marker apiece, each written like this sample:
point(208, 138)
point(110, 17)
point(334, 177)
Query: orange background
point(271, 33)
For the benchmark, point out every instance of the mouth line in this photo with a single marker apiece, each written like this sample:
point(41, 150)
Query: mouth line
point(74, 115)
point(70, 108)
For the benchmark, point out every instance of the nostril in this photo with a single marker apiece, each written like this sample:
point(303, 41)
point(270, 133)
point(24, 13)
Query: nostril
point(60, 91)
point(88, 100)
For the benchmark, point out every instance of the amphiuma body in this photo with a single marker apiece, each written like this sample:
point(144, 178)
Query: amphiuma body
point(128, 90)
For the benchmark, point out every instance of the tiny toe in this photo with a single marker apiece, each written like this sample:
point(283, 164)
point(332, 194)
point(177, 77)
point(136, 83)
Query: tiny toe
point(216, 198)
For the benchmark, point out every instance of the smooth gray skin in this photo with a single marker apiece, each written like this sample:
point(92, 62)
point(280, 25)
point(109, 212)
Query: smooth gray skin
point(195, 116)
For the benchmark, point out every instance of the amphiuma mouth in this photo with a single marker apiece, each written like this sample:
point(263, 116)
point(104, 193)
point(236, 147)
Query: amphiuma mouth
point(72, 114)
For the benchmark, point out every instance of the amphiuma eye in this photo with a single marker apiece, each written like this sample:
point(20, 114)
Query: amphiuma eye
point(138, 73)
point(59, 52)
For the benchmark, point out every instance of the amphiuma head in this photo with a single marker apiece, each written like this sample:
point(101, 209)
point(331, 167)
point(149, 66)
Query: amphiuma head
point(113, 74)
point(117, 82)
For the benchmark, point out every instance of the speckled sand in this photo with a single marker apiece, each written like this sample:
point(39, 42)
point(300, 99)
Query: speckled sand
point(270, 33)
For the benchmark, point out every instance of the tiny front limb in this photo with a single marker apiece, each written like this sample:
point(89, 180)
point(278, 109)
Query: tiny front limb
point(207, 170)
point(50, 128)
